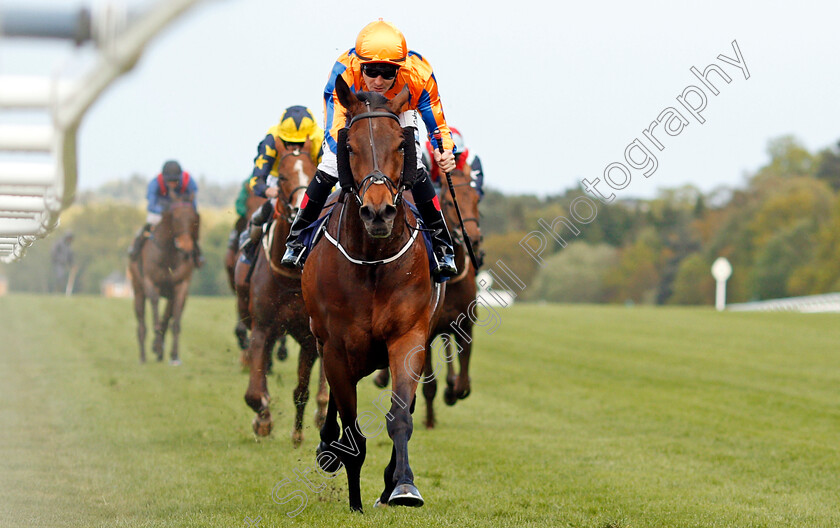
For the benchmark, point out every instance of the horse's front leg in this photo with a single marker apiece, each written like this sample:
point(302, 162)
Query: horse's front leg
point(322, 398)
point(140, 313)
point(257, 396)
point(300, 396)
point(406, 358)
point(174, 311)
point(242, 287)
point(154, 299)
point(429, 389)
point(462, 383)
point(351, 448)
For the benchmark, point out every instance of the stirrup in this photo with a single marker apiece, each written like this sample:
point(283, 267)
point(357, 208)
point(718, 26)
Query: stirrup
point(444, 263)
point(293, 257)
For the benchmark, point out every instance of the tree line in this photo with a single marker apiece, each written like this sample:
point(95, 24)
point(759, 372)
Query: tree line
point(780, 230)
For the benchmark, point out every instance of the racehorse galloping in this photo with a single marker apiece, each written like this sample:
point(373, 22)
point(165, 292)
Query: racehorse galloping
point(275, 305)
point(377, 309)
point(460, 292)
point(164, 269)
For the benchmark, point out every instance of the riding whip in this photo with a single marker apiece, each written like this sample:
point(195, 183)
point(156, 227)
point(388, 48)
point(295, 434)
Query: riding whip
point(474, 261)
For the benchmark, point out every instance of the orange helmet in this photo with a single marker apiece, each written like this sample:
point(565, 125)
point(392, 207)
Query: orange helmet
point(381, 41)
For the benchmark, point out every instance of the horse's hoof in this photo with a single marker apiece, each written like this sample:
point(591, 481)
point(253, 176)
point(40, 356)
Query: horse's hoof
point(262, 425)
point(282, 353)
point(430, 424)
point(379, 504)
point(297, 438)
point(175, 362)
point(405, 495)
point(464, 394)
point(449, 397)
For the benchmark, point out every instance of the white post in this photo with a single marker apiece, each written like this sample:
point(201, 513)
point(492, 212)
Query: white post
point(721, 271)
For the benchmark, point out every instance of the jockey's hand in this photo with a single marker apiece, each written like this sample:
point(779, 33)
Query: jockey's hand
point(271, 192)
point(445, 161)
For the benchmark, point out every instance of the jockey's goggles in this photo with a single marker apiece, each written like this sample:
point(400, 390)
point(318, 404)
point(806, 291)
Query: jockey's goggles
point(374, 70)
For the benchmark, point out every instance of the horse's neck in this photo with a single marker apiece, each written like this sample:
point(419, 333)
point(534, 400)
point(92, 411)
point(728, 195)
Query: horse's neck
point(355, 238)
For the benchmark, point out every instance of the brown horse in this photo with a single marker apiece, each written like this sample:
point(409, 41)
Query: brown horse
point(275, 305)
point(369, 292)
point(164, 269)
point(241, 284)
point(460, 292)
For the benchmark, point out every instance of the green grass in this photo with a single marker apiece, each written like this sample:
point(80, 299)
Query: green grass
point(580, 416)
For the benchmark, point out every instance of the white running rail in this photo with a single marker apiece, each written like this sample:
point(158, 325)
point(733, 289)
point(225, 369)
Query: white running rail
point(829, 302)
point(34, 192)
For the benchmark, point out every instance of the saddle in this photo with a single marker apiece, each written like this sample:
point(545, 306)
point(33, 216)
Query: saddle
point(311, 235)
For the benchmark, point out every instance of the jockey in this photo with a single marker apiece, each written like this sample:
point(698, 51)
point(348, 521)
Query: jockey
point(381, 62)
point(170, 180)
point(296, 126)
point(462, 160)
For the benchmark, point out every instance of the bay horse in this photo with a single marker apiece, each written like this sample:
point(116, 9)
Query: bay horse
point(460, 292)
point(369, 291)
point(240, 284)
point(164, 269)
point(275, 304)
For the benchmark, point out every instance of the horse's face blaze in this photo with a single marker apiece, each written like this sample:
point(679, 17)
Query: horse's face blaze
point(296, 169)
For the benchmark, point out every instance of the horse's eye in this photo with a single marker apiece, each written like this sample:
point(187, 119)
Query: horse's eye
point(350, 150)
point(401, 148)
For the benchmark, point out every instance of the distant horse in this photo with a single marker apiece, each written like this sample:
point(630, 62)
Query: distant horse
point(369, 291)
point(164, 269)
point(275, 305)
point(460, 292)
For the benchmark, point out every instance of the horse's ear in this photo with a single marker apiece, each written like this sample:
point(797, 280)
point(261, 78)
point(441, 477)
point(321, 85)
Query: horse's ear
point(307, 145)
point(400, 100)
point(346, 96)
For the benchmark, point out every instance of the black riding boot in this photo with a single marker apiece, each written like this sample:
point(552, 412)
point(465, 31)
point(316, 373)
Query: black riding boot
point(426, 202)
point(139, 239)
point(249, 240)
point(316, 196)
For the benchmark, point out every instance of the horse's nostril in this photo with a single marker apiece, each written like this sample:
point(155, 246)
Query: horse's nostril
point(390, 212)
point(366, 213)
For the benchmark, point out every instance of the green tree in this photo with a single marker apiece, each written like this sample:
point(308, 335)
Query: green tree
point(694, 283)
point(575, 274)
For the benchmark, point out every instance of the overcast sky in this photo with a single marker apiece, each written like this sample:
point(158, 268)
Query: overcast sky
point(546, 93)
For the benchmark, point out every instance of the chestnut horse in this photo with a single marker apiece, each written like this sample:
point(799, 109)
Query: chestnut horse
point(460, 292)
point(369, 291)
point(164, 269)
point(275, 305)
point(252, 203)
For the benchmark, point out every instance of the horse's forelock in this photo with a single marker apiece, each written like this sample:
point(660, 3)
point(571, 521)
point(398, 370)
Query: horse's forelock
point(376, 100)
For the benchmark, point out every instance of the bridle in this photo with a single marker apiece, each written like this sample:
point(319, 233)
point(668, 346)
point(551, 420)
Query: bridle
point(448, 201)
point(376, 177)
point(289, 210)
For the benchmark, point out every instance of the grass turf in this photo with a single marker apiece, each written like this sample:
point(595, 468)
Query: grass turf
point(591, 416)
